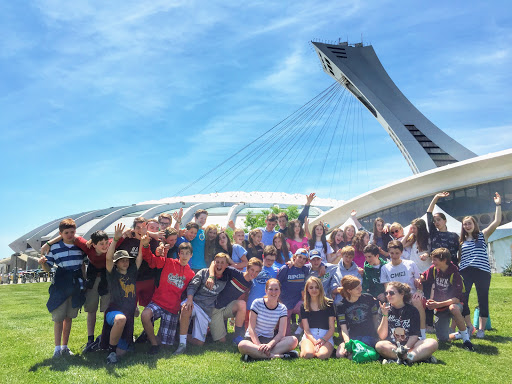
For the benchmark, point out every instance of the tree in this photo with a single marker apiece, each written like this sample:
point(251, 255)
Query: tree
point(258, 220)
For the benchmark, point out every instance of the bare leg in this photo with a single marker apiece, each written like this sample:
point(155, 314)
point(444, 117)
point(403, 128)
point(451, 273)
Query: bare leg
point(117, 329)
point(457, 317)
point(385, 349)
point(307, 349)
point(184, 320)
point(147, 323)
point(239, 310)
point(91, 323)
point(286, 344)
point(66, 330)
point(247, 347)
point(423, 349)
point(482, 322)
point(57, 332)
point(325, 351)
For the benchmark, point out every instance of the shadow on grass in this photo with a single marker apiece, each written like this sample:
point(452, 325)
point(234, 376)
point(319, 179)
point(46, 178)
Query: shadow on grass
point(498, 339)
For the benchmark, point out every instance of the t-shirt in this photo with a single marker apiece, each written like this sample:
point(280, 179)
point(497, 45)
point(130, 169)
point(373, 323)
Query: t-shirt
point(203, 296)
point(292, 281)
point(438, 239)
point(267, 318)
point(326, 279)
point(447, 284)
point(340, 272)
point(99, 261)
point(131, 245)
point(358, 316)
point(415, 254)
point(319, 246)
point(256, 252)
point(359, 258)
point(197, 260)
point(267, 236)
point(238, 253)
point(318, 319)
point(403, 323)
point(405, 272)
point(235, 287)
point(294, 245)
point(121, 287)
point(66, 256)
point(473, 253)
point(258, 284)
point(371, 278)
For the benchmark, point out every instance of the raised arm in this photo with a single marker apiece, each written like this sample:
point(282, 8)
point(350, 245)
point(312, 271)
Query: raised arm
point(353, 214)
point(46, 247)
point(435, 199)
point(177, 219)
point(497, 218)
point(382, 330)
point(118, 233)
point(306, 228)
point(305, 210)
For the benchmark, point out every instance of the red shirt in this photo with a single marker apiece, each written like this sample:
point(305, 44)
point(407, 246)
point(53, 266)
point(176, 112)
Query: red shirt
point(99, 261)
point(447, 284)
point(173, 280)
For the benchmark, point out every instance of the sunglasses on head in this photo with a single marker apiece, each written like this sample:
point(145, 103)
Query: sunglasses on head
point(390, 293)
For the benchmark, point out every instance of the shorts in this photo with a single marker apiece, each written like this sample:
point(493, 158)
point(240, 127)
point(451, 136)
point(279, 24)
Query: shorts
point(262, 339)
point(218, 324)
point(168, 323)
point(92, 298)
point(201, 321)
point(109, 318)
point(64, 311)
point(145, 290)
point(317, 334)
point(442, 322)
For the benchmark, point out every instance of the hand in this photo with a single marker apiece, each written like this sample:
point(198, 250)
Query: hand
point(118, 231)
point(353, 213)
point(160, 250)
point(343, 352)
point(209, 283)
point(144, 240)
point(424, 256)
point(265, 348)
point(45, 249)
point(442, 194)
point(161, 235)
point(128, 233)
point(144, 229)
point(384, 308)
point(497, 198)
point(321, 271)
point(88, 244)
point(417, 296)
point(381, 297)
point(42, 260)
point(310, 198)
point(262, 245)
point(360, 270)
point(385, 229)
point(178, 215)
point(231, 224)
point(417, 283)
point(189, 304)
point(431, 304)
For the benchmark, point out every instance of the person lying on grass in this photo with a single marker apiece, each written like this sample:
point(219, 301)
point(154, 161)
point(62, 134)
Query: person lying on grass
point(267, 313)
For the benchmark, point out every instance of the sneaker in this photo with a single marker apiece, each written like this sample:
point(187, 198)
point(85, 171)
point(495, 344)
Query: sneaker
point(455, 336)
point(153, 350)
point(56, 354)
point(181, 349)
point(480, 334)
point(92, 345)
point(112, 358)
point(237, 340)
point(468, 345)
point(389, 361)
point(246, 358)
point(293, 354)
point(66, 352)
point(430, 360)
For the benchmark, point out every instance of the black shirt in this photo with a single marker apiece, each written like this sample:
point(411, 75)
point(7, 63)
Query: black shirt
point(318, 319)
point(358, 316)
point(438, 239)
point(131, 245)
point(403, 323)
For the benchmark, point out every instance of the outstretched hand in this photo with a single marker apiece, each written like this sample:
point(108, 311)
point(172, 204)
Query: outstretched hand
point(353, 213)
point(384, 308)
point(310, 198)
point(118, 231)
point(144, 240)
point(442, 194)
point(497, 199)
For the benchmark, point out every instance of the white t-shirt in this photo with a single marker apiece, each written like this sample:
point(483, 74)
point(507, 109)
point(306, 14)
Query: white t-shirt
point(405, 272)
point(320, 248)
point(267, 318)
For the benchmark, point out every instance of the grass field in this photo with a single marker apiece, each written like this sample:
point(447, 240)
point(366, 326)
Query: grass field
point(26, 347)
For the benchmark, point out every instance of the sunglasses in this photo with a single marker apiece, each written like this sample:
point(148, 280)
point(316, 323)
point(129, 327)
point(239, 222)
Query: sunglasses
point(390, 293)
point(395, 231)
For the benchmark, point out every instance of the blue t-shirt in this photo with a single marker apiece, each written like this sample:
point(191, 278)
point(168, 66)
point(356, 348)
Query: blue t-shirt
point(238, 253)
point(197, 260)
point(267, 238)
point(292, 281)
point(258, 284)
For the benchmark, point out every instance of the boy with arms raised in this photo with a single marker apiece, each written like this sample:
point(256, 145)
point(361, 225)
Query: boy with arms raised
point(121, 277)
point(66, 290)
point(165, 304)
point(447, 286)
point(407, 272)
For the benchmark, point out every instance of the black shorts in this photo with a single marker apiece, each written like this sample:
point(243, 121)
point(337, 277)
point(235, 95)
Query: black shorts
point(262, 339)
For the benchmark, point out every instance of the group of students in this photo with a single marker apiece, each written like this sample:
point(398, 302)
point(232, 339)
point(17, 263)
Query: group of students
point(381, 288)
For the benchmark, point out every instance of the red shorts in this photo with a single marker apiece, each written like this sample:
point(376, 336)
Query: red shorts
point(145, 290)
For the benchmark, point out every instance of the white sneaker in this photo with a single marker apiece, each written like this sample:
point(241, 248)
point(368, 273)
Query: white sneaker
point(112, 358)
point(455, 336)
point(66, 352)
point(56, 354)
point(181, 349)
point(480, 334)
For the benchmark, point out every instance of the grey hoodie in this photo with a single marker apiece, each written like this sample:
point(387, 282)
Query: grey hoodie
point(341, 271)
point(204, 297)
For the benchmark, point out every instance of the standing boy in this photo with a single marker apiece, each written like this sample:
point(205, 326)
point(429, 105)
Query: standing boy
point(67, 289)
point(371, 278)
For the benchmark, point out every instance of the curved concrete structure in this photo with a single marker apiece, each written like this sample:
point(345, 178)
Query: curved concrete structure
point(358, 69)
point(479, 170)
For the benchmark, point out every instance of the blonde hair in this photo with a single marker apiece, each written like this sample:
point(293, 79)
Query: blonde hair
point(323, 302)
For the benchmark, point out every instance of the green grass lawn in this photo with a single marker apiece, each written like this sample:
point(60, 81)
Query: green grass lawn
point(26, 347)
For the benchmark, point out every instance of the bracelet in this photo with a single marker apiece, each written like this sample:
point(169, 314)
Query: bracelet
point(498, 205)
point(210, 277)
point(325, 341)
point(115, 239)
point(383, 315)
point(145, 246)
point(48, 244)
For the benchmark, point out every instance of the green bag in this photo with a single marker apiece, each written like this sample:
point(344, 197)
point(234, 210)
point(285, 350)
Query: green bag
point(361, 353)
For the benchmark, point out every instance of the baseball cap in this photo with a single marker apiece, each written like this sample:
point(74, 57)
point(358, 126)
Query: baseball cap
point(314, 254)
point(302, 251)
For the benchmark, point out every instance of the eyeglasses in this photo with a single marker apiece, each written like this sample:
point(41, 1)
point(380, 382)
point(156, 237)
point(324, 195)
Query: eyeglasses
point(390, 293)
point(395, 231)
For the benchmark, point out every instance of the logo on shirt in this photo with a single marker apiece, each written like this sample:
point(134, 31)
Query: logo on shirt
point(134, 252)
point(127, 288)
point(397, 274)
point(201, 236)
point(176, 280)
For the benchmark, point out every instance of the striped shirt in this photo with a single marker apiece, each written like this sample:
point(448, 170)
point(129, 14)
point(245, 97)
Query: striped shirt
point(474, 254)
point(267, 318)
point(67, 256)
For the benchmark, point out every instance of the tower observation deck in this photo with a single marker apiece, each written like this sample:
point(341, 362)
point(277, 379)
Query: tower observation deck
point(359, 70)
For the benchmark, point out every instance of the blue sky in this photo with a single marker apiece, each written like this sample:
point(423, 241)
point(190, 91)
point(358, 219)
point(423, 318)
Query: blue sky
point(111, 103)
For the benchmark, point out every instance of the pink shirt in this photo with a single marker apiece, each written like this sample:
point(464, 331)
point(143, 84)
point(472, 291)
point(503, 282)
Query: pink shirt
point(294, 245)
point(359, 259)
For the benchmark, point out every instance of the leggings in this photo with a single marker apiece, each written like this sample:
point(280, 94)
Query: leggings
point(482, 281)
